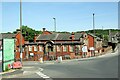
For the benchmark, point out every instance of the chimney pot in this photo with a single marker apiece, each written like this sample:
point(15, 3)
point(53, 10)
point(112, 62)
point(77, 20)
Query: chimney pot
point(73, 33)
point(44, 29)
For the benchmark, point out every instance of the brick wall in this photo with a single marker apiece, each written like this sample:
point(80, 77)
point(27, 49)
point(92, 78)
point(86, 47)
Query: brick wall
point(17, 43)
point(90, 41)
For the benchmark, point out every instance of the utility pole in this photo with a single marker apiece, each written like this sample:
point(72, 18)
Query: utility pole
point(21, 31)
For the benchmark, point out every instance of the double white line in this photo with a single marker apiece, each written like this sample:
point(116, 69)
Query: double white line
point(43, 75)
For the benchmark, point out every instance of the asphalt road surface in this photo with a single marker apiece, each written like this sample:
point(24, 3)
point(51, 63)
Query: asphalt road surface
point(105, 66)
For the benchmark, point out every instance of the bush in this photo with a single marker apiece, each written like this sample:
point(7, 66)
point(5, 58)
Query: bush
point(6, 68)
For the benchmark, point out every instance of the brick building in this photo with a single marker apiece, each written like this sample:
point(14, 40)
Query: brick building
point(16, 37)
point(51, 45)
point(17, 46)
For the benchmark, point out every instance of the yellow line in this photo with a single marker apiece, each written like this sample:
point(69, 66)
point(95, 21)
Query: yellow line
point(7, 72)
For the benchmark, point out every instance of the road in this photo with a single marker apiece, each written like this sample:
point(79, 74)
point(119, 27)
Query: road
point(0, 66)
point(105, 66)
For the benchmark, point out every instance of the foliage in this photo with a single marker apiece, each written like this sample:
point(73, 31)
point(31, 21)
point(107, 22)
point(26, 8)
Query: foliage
point(28, 33)
point(6, 68)
point(102, 33)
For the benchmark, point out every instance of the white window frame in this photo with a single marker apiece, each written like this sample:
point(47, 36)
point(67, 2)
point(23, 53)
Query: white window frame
point(35, 48)
point(65, 48)
point(30, 48)
point(58, 48)
point(79, 47)
point(40, 48)
point(71, 48)
point(54, 48)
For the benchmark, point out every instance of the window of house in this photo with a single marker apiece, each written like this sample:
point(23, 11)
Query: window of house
point(30, 48)
point(78, 46)
point(65, 48)
point(35, 48)
point(71, 48)
point(58, 48)
point(40, 48)
point(54, 48)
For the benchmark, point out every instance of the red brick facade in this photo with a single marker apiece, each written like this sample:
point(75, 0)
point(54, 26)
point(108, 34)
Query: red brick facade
point(91, 41)
point(49, 45)
point(70, 47)
point(17, 45)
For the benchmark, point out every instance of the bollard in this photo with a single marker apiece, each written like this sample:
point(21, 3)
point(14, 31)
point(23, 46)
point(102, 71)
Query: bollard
point(41, 60)
point(59, 59)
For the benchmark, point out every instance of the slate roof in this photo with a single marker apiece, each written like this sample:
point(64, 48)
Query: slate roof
point(7, 35)
point(56, 43)
point(47, 37)
point(58, 36)
point(114, 37)
point(78, 36)
point(94, 36)
point(63, 36)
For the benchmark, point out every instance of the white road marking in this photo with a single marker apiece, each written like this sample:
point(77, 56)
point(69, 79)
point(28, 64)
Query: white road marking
point(27, 67)
point(29, 72)
point(26, 72)
point(36, 63)
point(41, 69)
point(50, 63)
point(42, 75)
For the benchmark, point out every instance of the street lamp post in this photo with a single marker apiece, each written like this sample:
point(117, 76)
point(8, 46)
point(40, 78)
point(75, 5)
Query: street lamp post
point(55, 31)
point(54, 23)
point(103, 33)
point(93, 24)
point(94, 34)
point(21, 31)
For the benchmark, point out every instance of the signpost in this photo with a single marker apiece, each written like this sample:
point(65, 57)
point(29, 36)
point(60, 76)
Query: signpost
point(8, 53)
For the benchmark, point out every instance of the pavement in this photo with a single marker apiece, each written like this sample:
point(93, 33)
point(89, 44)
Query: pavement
point(107, 54)
point(20, 71)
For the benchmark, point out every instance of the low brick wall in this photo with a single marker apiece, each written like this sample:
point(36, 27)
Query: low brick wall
point(72, 55)
point(107, 49)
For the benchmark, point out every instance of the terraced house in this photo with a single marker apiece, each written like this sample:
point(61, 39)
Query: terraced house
point(49, 45)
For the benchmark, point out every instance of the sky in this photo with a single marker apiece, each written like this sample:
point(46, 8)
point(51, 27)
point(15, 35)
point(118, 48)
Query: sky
point(70, 16)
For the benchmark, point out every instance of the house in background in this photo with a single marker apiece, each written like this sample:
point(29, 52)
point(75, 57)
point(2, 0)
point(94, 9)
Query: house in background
point(95, 42)
point(50, 45)
point(114, 39)
point(16, 37)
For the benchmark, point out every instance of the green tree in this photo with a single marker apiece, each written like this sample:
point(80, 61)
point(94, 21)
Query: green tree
point(28, 33)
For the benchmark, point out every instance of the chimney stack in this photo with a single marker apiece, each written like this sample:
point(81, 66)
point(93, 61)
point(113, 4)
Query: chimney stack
point(44, 29)
point(73, 36)
point(35, 37)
